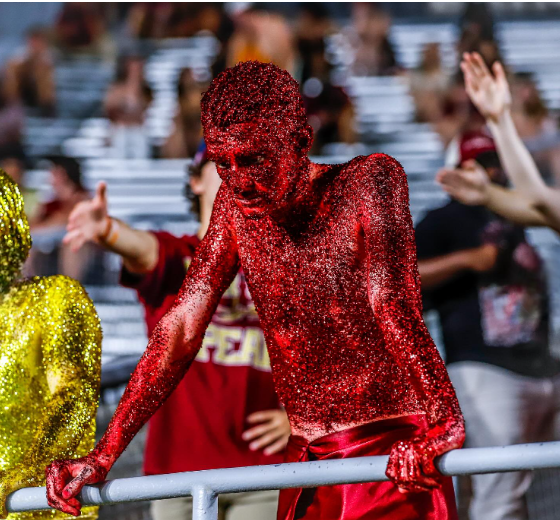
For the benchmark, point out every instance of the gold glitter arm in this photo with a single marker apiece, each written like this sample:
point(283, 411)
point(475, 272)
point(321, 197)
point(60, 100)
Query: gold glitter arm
point(70, 336)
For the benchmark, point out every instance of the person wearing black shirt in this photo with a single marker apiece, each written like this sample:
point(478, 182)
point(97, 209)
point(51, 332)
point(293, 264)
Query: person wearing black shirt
point(488, 285)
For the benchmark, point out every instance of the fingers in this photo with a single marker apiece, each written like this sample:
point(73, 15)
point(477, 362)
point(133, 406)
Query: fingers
point(75, 239)
point(263, 415)
point(77, 483)
point(258, 431)
point(277, 446)
point(101, 194)
point(57, 475)
point(265, 440)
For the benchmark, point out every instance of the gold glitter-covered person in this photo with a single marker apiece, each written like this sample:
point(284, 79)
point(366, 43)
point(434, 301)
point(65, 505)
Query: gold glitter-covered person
point(50, 361)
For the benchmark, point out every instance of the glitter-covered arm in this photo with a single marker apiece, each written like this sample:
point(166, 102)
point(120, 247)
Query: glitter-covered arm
point(171, 349)
point(394, 292)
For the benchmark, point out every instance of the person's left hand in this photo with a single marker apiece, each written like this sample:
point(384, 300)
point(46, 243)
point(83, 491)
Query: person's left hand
point(412, 462)
point(271, 432)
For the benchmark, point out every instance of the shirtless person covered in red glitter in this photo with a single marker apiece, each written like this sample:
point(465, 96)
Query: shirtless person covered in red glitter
point(329, 256)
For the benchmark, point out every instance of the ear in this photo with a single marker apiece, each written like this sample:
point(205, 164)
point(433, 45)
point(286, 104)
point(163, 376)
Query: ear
point(196, 185)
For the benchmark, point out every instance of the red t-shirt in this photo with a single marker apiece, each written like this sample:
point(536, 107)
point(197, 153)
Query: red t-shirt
point(200, 425)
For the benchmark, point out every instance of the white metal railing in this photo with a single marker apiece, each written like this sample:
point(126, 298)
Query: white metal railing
point(205, 486)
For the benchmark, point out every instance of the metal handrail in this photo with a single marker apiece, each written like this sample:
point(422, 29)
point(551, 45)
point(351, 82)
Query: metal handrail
point(205, 486)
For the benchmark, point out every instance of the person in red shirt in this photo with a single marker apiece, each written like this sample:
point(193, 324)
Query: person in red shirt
point(225, 412)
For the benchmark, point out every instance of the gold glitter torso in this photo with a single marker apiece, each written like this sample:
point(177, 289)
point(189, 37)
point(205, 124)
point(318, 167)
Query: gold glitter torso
point(50, 362)
point(50, 341)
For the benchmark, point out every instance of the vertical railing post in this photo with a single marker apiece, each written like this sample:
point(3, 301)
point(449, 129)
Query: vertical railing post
point(205, 504)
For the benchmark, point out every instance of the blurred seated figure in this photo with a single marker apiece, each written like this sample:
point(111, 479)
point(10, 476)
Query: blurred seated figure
point(329, 109)
point(125, 104)
point(536, 126)
point(262, 36)
point(12, 123)
point(14, 166)
point(48, 226)
point(81, 29)
point(313, 25)
point(29, 76)
point(428, 84)
point(373, 52)
point(187, 130)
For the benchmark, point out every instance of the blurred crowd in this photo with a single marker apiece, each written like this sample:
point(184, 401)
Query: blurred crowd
point(478, 270)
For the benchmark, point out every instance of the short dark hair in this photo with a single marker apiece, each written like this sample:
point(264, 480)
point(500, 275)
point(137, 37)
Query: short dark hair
point(253, 90)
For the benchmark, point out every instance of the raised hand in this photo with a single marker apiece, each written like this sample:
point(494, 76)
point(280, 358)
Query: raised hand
point(489, 93)
point(88, 221)
point(65, 479)
point(271, 432)
point(468, 184)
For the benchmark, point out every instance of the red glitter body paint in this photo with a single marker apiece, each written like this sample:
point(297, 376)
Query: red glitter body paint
point(330, 260)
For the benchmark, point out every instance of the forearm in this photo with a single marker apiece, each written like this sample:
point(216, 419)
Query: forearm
point(514, 156)
point(514, 206)
point(170, 352)
point(139, 249)
point(436, 271)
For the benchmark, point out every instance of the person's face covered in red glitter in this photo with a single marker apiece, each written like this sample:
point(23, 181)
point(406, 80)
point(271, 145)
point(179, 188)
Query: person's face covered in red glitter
point(259, 140)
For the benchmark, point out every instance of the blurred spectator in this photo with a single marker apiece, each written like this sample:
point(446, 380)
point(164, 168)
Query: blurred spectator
point(329, 109)
point(81, 29)
point(150, 19)
point(489, 288)
point(313, 25)
point(12, 122)
point(262, 36)
point(477, 25)
point(125, 104)
point(187, 129)
point(373, 52)
point(14, 166)
point(536, 126)
point(428, 83)
point(48, 226)
point(30, 76)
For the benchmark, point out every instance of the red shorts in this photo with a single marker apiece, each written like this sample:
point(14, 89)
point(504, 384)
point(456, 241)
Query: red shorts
point(376, 500)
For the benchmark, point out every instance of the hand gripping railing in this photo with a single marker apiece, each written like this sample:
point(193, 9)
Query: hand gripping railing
point(205, 486)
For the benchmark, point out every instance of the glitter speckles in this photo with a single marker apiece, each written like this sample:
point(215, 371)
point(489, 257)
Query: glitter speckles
point(50, 341)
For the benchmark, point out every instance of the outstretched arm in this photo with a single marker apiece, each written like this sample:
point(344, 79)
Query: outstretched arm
point(394, 292)
point(171, 349)
point(71, 350)
point(490, 93)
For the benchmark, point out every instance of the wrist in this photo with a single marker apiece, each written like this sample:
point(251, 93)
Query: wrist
point(110, 232)
point(499, 118)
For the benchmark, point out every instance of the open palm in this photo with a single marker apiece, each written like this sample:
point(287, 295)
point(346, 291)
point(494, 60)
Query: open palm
point(489, 92)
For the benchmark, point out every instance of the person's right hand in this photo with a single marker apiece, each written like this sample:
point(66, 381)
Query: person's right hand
point(88, 221)
point(66, 478)
point(489, 93)
point(468, 184)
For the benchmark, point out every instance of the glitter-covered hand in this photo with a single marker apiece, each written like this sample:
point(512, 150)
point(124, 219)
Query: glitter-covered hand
point(394, 289)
